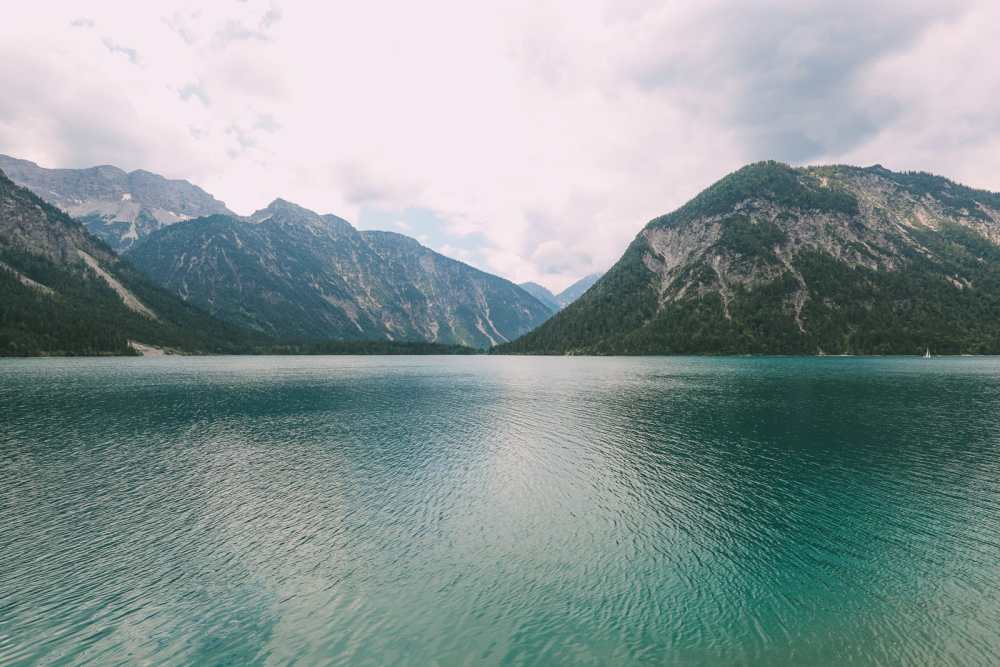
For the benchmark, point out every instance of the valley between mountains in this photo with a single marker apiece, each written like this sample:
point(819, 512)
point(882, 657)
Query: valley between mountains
point(283, 278)
point(771, 259)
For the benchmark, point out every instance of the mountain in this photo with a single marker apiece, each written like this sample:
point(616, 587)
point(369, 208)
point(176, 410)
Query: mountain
point(63, 291)
point(577, 289)
point(291, 273)
point(117, 206)
point(557, 302)
point(815, 260)
point(542, 294)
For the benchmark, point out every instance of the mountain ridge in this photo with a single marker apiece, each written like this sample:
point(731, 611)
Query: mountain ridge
point(557, 302)
point(292, 273)
point(117, 206)
point(773, 259)
point(577, 289)
point(64, 291)
point(541, 293)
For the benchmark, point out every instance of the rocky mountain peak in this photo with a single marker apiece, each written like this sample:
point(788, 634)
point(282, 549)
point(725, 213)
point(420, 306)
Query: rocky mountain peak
point(63, 291)
point(776, 259)
point(280, 204)
point(119, 207)
point(285, 212)
point(298, 275)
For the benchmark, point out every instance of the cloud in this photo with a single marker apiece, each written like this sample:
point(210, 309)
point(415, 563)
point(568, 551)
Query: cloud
point(235, 31)
point(183, 24)
point(402, 226)
point(196, 91)
point(271, 18)
point(536, 140)
point(238, 29)
point(267, 123)
point(947, 88)
point(554, 257)
point(114, 47)
point(361, 184)
point(244, 138)
point(785, 75)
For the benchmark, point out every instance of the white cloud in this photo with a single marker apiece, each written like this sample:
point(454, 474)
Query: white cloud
point(551, 131)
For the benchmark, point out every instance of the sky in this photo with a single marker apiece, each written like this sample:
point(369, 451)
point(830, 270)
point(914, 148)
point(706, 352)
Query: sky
point(531, 139)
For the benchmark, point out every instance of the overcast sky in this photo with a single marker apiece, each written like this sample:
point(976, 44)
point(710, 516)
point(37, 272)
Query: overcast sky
point(532, 139)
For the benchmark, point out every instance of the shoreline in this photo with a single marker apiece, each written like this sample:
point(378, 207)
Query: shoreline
point(153, 352)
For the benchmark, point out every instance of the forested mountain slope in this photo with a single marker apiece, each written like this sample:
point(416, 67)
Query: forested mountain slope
point(816, 260)
point(294, 274)
point(62, 291)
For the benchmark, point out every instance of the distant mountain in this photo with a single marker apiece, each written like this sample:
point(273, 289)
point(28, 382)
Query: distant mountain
point(577, 289)
point(291, 273)
point(816, 260)
point(117, 206)
point(557, 302)
point(63, 291)
point(542, 294)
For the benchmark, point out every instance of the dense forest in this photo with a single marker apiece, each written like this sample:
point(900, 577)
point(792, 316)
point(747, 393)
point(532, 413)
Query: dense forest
point(78, 315)
point(769, 260)
point(790, 263)
point(299, 276)
point(53, 303)
point(383, 347)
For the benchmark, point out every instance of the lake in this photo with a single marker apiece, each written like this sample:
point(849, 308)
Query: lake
point(500, 510)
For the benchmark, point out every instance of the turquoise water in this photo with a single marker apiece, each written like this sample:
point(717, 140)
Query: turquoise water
point(486, 510)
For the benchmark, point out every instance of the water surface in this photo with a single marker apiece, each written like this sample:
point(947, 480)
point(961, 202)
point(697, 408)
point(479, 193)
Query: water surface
point(484, 510)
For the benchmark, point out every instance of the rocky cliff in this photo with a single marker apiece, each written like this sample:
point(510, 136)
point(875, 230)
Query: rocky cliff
point(117, 206)
point(294, 274)
point(817, 260)
point(63, 291)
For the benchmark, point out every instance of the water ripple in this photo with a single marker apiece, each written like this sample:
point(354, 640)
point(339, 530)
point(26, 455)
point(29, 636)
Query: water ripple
point(499, 511)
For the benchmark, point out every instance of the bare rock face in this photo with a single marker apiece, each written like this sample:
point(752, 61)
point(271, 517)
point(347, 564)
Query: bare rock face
point(117, 206)
point(294, 274)
point(63, 291)
point(817, 260)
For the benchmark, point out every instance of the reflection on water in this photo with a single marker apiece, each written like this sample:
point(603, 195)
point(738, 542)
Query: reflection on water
point(500, 510)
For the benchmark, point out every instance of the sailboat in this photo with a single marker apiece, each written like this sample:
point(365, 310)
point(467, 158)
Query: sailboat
point(927, 354)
